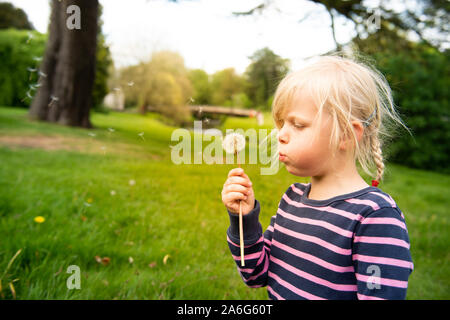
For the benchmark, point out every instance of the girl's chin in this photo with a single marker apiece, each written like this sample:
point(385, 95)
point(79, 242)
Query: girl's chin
point(295, 171)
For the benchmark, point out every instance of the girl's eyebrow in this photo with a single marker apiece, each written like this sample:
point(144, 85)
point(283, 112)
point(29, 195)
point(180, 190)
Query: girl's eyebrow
point(295, 117)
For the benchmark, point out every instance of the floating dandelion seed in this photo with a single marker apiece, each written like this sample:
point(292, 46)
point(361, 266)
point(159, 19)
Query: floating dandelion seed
point(116, 89)
point(31, 70)
point(131, 182)
point(87, 204)
point(130, 84)
point(141, 135)
point(113, 192)
point(233, 143)
point(53, 100)
point(37, 58)
point(206, 120)
point(34, 86)
point(111, 130)
point(91, 134)
point(42, 74)
point(29, 96)
point(191, 100)
point(30, 36)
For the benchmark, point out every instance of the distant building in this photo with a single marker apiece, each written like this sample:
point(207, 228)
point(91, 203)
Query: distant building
point(115, 100)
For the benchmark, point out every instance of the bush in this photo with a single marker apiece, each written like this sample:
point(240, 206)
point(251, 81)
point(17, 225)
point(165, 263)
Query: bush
point(420, 82)
point(20, 52)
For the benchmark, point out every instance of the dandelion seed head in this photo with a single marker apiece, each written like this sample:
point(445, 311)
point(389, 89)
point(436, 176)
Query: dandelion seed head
point(233, 142)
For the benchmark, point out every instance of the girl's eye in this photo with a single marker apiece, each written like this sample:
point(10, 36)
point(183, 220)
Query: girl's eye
point(298, 125)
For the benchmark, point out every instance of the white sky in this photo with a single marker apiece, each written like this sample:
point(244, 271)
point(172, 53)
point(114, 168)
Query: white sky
point(205, 32)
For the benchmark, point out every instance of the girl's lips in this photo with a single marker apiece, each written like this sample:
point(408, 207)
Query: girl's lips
point(282, 157)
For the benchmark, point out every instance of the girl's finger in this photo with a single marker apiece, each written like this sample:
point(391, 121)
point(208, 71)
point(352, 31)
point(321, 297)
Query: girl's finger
point(237, 188)
point(236, 172)
point(233, 196)
point(239, 180)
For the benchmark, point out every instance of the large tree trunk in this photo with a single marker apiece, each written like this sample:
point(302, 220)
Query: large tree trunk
point(68, 68)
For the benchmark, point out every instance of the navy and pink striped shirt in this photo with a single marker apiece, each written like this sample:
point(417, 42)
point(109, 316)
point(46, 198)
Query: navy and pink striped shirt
point(352, 246)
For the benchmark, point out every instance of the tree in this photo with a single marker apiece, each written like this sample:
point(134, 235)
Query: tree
point(161, 83)
point(263, 75)
point(201, 84)
point(102, 66)
point(68, 67)
point(12, 17)
point(225, 85)
point(419, 76)
point(429, 19)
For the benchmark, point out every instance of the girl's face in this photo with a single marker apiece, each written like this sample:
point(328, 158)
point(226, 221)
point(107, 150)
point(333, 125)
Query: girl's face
point(304, 141)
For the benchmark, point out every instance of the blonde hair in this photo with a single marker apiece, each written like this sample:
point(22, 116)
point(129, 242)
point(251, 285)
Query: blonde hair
point(348, 90)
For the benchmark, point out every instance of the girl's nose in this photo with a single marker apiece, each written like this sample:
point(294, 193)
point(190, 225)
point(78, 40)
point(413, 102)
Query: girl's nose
point(281, 136)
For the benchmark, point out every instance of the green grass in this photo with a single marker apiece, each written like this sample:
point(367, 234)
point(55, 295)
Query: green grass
point(173, 210)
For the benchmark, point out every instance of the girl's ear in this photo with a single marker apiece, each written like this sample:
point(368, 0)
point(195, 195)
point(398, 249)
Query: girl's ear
point(347, 141)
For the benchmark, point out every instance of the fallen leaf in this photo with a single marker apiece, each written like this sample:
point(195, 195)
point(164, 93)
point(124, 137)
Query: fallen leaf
point(130, 259)
point(106, 261)
point(166, 257)
point(98, 259)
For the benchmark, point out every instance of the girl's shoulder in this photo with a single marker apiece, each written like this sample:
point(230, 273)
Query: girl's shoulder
point(364, 202)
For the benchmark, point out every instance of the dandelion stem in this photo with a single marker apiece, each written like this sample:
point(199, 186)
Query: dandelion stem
point(241, 224)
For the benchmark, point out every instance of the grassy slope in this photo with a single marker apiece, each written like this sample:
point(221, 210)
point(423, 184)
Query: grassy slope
point(173, 210)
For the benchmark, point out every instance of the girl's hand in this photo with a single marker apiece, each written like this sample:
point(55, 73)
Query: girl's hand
point(238, 187)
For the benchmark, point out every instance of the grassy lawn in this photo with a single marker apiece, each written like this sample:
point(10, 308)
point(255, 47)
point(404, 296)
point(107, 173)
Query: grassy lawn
point(111, 192)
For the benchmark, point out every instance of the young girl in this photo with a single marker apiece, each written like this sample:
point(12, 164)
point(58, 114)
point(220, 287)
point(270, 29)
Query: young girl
point(335, 237)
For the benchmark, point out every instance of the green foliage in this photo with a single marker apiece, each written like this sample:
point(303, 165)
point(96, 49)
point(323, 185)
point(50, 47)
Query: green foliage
point(419, 76)
point(162, 83)
point(263, 76)
point(12, 17)
point(226, 84)
point(102, 66)
point(20, 51)
point(201, 84)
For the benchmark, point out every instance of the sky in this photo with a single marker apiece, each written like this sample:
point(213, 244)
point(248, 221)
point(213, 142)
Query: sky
point(205, 32)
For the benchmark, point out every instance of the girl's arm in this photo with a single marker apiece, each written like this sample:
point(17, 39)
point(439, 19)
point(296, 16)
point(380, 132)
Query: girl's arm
point(381, 255)
point(256, 247)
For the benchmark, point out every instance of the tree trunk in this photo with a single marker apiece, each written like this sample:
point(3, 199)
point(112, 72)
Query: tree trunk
point(67, 71)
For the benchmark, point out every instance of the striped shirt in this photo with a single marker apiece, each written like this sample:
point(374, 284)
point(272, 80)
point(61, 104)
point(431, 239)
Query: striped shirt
point(352, 246)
